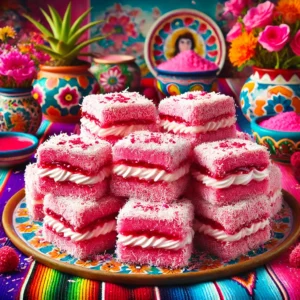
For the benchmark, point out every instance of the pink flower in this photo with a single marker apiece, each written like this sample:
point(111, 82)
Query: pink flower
point(234, 32)
point(113, 80)
point(38, 94)
point(274, 38)
point(235, 7)
point(68, 96)
point(295, 44)
point(259, 16)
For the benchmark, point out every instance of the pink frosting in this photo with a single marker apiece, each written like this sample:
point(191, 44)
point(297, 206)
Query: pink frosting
point(286, 121)
point(187, 61)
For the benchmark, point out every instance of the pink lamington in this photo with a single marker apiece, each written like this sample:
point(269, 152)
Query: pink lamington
point(227, 171)
point(34, 197)
point(275, 194)
point(79, 227)
point(150, 166)
point(74, 165)
point(199, 116)
point(155, 233)
point(115, 115)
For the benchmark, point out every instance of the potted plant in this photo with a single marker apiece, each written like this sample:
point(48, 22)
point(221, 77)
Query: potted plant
point(65, 80)
point(18, 109)
point(267, 37)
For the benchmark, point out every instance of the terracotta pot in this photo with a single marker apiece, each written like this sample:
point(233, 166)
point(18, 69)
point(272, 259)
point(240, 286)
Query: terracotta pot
point(60, 91)
point(270, 91)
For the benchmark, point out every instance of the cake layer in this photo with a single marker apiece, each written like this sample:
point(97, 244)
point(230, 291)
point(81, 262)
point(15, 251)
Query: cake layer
point(31, 178)
point(231, 250)
point(70, 189)
point(233, 217)
point(197, 107)
point(162, 149)
point(77, 154)
point(232, 194)
point(115, 108)
point(275, 201)
point(173, 221)
point(35, 210)
point(275, 178)
point(232, 155)
point(153, 256)
point(87, 249)
point(160, 191)
point(79, 212)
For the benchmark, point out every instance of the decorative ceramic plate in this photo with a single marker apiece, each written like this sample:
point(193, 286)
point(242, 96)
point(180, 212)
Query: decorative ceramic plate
point(163, 37)
point(26, 235)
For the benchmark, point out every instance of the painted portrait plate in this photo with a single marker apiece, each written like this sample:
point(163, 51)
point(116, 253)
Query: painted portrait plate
point(162, 41)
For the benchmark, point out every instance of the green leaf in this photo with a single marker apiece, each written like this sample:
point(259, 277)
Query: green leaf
point(50, 22)
point(65, 27)
point(56, 19)
point(292, 62)
point(49, 51)
point(74, 38)
point(39, 26)
point(78, 22)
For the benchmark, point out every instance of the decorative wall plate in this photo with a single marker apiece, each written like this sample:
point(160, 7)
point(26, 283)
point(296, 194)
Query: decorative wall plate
point(162, 40)
point(26, 235)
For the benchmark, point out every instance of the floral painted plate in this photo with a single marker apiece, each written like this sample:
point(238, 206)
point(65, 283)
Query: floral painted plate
point(26, 235)
point(187, 25)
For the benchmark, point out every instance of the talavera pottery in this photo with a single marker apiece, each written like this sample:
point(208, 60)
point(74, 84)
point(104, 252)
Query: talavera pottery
point(270, 91)
point(115, 73)
point(16, 148)
point(60, 91)
point(19, 111)
point(160, 44)
point(281, 144)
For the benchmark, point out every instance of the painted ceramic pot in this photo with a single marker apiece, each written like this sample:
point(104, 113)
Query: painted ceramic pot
point(115, 73)
point(281, 144)
point(60, 91)
point(19, 111)
point(270, 91)
point(175, 83)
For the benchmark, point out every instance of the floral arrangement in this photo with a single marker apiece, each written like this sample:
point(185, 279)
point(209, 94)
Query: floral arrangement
point(264, 35)
point(18, 62)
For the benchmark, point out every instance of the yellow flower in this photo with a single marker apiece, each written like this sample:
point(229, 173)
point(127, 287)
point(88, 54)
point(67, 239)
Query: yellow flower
point(242, 49)
point(7, 32)
point(24, 48)
point(290, 10)
point(22, 212)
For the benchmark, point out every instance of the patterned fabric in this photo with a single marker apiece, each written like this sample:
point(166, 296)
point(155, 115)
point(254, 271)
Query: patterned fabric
point(36, 281)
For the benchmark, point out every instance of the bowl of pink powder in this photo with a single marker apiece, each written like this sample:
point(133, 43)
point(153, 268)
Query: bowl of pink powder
point(279, 133)
point(187, 71)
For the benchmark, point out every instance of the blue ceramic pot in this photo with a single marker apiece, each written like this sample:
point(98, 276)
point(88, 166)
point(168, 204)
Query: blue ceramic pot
point(19, 111)
point(270, 91)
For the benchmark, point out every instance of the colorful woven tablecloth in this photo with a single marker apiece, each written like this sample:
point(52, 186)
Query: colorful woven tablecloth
point(36, 281)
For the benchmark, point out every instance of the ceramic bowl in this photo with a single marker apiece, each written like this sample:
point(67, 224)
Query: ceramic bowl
point(16, 148)
point(281, 144)
point(176, 83)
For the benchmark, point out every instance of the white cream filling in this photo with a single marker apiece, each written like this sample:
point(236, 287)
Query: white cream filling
point(121, 130)
point(173, 126)
point(150, 173)
point(155, 242)
point(225, 237)
point(77, 236)
point(274, 197)
point(62, 175)
point(234, 179)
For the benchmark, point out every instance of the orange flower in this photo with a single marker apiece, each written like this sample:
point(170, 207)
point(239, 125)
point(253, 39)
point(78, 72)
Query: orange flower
point(57, 254)
point(28, 227)
point(242, 49)
point(111, 266)
point(87, 263)
point(209, 264)
point(38, 242)
point(290, 10)
point(136, 269)
point(271, 243)
point(22, 212)
point(53, 111)
point(171, 271)
point(18, 121)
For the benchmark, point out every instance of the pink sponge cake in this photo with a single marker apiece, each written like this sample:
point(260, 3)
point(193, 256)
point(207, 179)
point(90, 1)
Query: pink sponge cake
point(231, 230)
point(155, 233)
point(199, 116)
point(79, 227)
point(74, 165)
point(229, 170)
point(34, 197)
point(113, 116)
point(150, 166)
point(275, 195)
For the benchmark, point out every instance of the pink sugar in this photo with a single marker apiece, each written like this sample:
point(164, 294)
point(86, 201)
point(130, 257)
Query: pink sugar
point(187, 61)
point(286, 121)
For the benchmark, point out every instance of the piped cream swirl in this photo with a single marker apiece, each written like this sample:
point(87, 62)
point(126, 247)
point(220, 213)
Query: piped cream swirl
point(77, 236)
point(63, 175)
point(150, 173)
point(173, 126)
point(234, 179)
